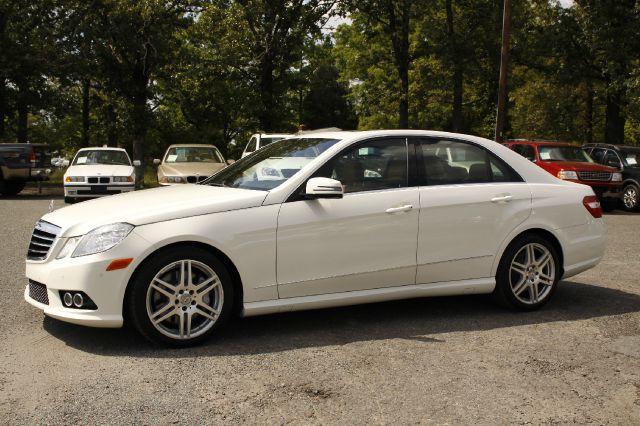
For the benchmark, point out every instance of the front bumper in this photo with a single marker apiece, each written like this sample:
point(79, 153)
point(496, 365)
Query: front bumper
point(89, 275)
point(92, 191)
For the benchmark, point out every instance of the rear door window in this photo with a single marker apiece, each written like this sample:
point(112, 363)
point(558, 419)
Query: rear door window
point(449, 162)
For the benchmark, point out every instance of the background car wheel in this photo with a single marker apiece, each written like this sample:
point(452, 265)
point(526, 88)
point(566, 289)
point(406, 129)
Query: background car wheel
point(69, 200)
point(180, 296)
point(631, 198)
point(11, 187)
point(528, 273)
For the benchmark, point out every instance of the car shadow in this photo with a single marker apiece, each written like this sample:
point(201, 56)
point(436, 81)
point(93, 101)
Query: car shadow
point(421, 320)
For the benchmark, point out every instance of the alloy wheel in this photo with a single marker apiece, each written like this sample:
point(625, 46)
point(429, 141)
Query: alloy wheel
point(184, 299)
point(532, 273)
point(630, 197)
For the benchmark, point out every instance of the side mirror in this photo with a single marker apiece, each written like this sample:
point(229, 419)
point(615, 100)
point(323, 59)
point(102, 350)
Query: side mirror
point(320, 187)
point(136, 163)
point(65, 163)
point(230, 161)
point(156, 162)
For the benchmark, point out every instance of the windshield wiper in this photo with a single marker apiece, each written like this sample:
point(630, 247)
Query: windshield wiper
point(217, 184)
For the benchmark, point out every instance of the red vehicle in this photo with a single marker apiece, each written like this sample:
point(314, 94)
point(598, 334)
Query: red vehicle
point(570, 162)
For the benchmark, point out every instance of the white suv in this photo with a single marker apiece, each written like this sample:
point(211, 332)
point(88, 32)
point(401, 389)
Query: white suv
point(259, 140)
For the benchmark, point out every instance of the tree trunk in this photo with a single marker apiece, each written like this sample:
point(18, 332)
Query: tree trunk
point(112, 125)
point(457, 118)
point(267, 111)
point(3, 106)
point(139, 135)
point(86, 87)
point(23, 119)
point(501, 113)
point(398, 30)
point(588, 113)
point(614, 121)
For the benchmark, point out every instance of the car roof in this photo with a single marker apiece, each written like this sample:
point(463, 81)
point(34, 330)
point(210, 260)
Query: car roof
point(102, 148)
point(545, 143)
point(192, 145)
point(277, 135)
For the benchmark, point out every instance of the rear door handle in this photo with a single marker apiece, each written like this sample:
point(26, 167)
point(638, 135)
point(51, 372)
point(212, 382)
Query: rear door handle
point(404, 208)
point(505, 198)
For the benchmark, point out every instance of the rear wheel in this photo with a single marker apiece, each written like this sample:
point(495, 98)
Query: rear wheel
point(11, 187)
point(180, 296)
point(528, 273)
point(631, 198)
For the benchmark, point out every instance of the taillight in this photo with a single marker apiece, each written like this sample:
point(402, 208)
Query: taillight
point(32, 156)
point(592, 204)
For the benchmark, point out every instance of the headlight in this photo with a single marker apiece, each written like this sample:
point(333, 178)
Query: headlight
point(616, 177)
point(123, 178)
point(100, 239)
point(567, 174)
point(172, 179)
point(74, 179)
point(270, 171)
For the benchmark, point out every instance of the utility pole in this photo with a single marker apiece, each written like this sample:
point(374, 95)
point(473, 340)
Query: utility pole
point(504, 67)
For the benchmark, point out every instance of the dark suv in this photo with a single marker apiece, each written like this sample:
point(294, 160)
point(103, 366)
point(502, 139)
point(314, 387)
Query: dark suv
point(625, 158)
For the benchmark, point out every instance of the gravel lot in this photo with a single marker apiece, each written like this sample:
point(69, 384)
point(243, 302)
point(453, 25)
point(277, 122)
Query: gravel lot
point(431, 361)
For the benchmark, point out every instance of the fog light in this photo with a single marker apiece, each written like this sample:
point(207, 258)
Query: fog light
point(77, 300)
point(68, 299)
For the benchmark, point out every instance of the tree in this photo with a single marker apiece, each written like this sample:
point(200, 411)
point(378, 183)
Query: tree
point(276, 34)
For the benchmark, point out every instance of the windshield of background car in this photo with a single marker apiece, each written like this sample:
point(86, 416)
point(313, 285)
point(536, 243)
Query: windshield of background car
point(264, 141)
point(563, 153)
point(270, 167)
point(102, 156)
point(193, 154)
point(631, 156)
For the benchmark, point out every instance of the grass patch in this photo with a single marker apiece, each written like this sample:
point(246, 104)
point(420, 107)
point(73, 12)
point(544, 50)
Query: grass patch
point(150, 177)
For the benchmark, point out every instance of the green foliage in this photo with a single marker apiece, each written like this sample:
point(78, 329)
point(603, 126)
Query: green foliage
point(145, 74)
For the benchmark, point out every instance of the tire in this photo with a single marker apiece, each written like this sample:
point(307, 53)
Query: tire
point(522, 284)
point(608, 204)
point(630, 198)
point(11, 187)
point(174, 314)
point(69, 200)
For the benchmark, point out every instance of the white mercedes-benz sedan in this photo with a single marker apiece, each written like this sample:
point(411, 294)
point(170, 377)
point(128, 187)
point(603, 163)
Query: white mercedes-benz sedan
point(316, 221)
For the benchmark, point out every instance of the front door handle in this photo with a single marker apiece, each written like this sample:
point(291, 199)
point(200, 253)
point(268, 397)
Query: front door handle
point(404, 208)
point(504, 198)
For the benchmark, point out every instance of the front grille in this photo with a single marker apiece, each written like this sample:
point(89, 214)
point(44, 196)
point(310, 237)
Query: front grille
point(595, 176)
point(92, 180)
point(44, 234)
point(38, 292)
point(194, 179)
point(104, 180)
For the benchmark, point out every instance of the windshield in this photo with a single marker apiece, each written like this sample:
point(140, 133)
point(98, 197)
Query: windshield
point(270, 167)
point(563, 153)
point(193, 154)
point(101, 156)
point(631, 157)
point(264, 141)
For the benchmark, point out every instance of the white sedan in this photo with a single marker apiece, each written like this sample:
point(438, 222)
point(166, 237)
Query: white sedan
point(96, 172)
point(367, 217)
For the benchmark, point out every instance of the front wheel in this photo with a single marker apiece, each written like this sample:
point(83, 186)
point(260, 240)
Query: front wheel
point(180, 296)
point(528, 273)
point(631, 198)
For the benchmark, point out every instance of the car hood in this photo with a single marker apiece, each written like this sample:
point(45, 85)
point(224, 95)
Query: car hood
point(152, 205)
point(186, 169)
point(580, 166)
point(99, 170)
